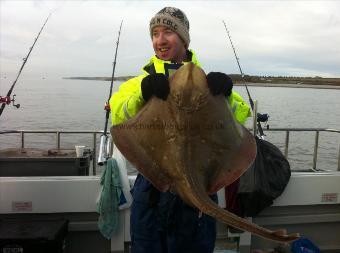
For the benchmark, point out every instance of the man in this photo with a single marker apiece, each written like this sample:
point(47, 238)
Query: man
point(162, 222)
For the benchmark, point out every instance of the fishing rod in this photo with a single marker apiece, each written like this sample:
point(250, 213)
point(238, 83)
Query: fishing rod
point(7, 99)
point(259, 117)
point(239, 66)
point(105, 141)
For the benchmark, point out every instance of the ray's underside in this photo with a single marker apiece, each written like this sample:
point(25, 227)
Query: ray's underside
point(192, 144)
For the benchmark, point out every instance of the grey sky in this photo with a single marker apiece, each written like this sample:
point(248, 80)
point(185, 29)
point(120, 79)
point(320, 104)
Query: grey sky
point(295, 38)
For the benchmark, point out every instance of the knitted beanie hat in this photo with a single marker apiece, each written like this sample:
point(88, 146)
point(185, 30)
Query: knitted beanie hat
point(173, 18)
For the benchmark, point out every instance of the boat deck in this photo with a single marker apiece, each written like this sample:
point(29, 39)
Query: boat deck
point(310, 203)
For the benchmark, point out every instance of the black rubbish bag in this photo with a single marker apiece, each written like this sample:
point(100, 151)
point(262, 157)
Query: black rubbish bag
point(265, 180)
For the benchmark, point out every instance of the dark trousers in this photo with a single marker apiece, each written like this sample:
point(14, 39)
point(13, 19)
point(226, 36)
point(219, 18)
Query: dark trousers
point(163, 223)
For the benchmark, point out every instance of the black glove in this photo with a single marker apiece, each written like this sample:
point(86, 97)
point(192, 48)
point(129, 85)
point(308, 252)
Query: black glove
point(219, 83)
point(156, 84)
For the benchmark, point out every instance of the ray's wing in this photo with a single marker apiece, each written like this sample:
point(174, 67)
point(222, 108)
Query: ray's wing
point(233, 148)
point(142, 140)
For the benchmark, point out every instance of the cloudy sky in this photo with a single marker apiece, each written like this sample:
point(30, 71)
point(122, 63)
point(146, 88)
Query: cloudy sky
point(295, 38)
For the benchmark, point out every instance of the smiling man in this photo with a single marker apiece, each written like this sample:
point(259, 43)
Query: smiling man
point(160, 221)
point(168, 45)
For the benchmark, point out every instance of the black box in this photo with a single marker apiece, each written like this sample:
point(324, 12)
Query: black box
point(36, 236)
point(31, 162)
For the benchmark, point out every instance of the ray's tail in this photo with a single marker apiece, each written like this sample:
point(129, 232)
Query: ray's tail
point(209, 207)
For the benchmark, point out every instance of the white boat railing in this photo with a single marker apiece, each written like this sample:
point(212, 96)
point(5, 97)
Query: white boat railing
point(316, 141)
point(94, 144)
point(58, 134)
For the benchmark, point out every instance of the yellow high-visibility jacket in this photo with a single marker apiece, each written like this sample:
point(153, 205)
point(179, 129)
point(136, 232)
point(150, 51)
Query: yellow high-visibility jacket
point(128, 100)
point(239, 107)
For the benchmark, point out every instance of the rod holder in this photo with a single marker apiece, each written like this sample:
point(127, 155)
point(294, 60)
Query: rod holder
point(103, 149)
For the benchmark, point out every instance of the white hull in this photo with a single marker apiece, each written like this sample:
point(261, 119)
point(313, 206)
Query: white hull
point(310, 205)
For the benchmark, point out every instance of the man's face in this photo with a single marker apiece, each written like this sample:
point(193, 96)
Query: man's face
point(168, 45)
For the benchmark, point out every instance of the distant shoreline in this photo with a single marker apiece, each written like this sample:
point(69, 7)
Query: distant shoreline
point(96, 78)
point(290, 85)
point(329, 83)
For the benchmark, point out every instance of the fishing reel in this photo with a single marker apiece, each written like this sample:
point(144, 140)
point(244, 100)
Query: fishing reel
point(263, 118)
point(7, 100)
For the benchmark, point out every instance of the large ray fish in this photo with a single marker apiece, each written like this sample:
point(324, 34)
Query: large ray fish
point(192, 145)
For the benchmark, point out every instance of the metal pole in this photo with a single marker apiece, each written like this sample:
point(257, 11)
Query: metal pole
point(22, 139)
point(316, 144)
point(58, 139)
point(286, 144)
point(339, 159)
point(255, 118)
point(94, 163)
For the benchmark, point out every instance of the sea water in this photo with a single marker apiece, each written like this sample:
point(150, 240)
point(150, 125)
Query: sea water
point(64, 104)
